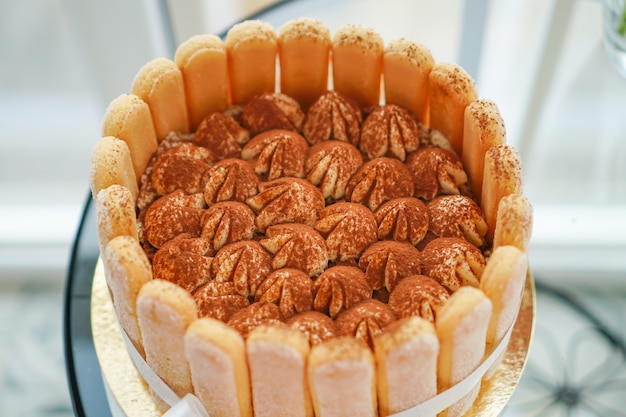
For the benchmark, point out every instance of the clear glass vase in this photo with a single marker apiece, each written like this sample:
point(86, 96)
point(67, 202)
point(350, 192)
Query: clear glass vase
point(614, 27)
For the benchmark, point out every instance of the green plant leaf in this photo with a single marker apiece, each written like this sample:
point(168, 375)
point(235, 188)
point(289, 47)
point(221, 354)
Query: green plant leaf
point(621, 29)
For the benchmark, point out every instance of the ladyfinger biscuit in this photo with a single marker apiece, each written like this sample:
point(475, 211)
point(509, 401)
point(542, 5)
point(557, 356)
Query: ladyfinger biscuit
point(304, 52)
point(202, 61)
point(126, 269)
point(483, 128)
point(164, 311)
point(111, 163)
point(342, 378)
point(160, 84)
point(128, 118)
point(502, 176)
point(503, 282)
point(451, 91)
point(357, 61)
point(407, 66)
point(514, 222)
point(406, 362)
point(219, 371)
point(462, 329)
point(251, 48)
point(115, 214)
point(277, 357)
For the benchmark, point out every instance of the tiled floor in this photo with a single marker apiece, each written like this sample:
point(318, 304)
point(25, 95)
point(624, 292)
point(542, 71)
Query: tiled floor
point(32, 363)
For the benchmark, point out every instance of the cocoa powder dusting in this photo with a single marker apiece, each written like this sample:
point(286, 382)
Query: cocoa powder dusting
point(254, 315)
point(317, 326)
point(290, 289)
point(365, 321)
point(418, 295)
point(270, 215)
point(219, 300)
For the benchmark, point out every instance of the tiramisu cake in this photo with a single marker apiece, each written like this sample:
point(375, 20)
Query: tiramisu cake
point(296, 223)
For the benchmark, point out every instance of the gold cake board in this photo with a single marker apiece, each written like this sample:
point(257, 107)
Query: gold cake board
point(133, 398)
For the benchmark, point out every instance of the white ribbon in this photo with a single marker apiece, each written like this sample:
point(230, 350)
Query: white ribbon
point(441, 401)
point(190, 405)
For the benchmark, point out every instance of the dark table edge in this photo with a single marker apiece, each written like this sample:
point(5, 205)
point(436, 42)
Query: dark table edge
point(83, 369)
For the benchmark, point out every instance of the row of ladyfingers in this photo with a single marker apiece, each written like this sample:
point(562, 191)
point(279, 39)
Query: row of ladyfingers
point(339, 377)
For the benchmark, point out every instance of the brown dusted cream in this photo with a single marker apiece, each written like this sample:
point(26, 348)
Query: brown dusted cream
point(245, 320)
point(330, 164)
point(172, 215)
point(227, 222)
point(218, 300)
point(147, 194)
point(269, 111)
point(184, 260)
point(286, 200)
point(277, 153)
point(436, 171)
point(453, 262)
point(333, 116)
point(230, 179)
point(318, 327)
point(183, 168)
point(457, 216)
point(348, 228)
point(295, 245)
point(289, 288)
point(379, 180)
point(402, 219)
point(245, 263)
point(391, 131)
point(418, 295)
point(339, 288)
point(365, 320)
point(386, 262)
point(222, 134)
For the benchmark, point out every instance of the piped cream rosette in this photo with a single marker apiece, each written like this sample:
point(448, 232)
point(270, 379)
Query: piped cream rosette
point(180, 354)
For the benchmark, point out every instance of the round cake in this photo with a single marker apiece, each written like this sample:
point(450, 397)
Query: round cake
point(293, 223)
